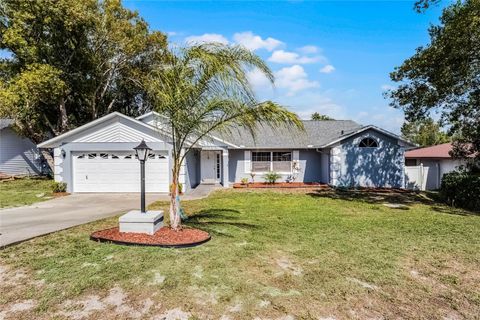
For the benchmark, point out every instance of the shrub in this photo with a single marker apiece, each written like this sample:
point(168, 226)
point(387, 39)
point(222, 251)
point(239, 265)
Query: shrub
point(59, 187)
point(244, 180)
point(461, 189)
point(271, 177)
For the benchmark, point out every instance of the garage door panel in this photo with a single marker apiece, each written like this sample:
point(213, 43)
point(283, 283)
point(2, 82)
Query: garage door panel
point(118, 172)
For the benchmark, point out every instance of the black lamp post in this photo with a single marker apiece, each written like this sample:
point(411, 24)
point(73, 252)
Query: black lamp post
point(142, 151)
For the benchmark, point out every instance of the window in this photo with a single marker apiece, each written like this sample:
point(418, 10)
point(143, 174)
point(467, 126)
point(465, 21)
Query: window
point(104, 155)
point(278, 161)
point(162, 157)
point(368, 143)
point(81, 156)
point(282, 161)
point(114, 156)
point(151, 156)
point(261, 161)
point(128, 157)
point(92, 155)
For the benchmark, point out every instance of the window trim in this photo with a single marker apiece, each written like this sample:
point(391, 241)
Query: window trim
point(271, 161)
point(368, 147)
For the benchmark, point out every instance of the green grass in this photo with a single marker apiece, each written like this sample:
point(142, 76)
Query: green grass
point(272, 254)
point(20, 192)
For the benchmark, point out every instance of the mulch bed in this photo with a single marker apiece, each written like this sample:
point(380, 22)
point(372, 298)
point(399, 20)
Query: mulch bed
point(165, 237)
point(281, 185)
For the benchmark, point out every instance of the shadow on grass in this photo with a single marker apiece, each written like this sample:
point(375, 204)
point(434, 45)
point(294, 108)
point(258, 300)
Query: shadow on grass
point(210, 219)
point(395, 199)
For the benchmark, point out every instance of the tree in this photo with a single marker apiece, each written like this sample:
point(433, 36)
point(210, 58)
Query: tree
point(424, 133)
point(317, 116)
point(444, 77)
point(204, 88)
point(72, 62)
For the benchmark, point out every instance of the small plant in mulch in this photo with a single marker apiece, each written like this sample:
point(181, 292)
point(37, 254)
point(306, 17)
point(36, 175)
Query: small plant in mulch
point(271, 177)
point(59, 187)
point(253, 174)
point(244, 181)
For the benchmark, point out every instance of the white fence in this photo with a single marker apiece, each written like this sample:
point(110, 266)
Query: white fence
point(416, 177)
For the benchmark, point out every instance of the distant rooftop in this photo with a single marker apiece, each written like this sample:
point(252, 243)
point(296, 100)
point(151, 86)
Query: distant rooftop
point(438, 151)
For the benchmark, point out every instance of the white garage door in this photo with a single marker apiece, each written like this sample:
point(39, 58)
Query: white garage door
point(118, 172)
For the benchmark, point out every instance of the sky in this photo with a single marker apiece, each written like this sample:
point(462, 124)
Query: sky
point(331, 57)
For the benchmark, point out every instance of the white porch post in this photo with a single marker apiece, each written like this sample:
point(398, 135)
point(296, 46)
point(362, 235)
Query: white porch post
point(225, 168)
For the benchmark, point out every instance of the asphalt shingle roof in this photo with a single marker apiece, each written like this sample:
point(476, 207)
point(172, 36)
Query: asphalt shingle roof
point(317, 133)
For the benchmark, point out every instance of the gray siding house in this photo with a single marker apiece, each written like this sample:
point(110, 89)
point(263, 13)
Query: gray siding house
point(18, 155)
point(99, 157)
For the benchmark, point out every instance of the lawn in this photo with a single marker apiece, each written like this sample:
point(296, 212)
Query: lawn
point(273, 255)
point(20, 192)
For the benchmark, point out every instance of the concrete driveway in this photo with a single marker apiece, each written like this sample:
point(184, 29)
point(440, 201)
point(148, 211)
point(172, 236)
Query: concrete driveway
point(22, 223)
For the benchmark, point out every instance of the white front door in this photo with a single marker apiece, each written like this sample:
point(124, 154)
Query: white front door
point(96, 171)
point(210, 166)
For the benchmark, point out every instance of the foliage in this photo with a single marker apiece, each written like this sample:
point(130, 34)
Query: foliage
point(317, 116)
point(244, 180)
point(204, 88)
point(59, 187)
point(444, 77)
point(424, 132)
point(283, 247)
point(26, 191)
point(271, 177)
point(461, 189)
point(71, 62)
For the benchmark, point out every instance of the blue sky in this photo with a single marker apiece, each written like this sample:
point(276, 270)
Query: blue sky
point(330, 57)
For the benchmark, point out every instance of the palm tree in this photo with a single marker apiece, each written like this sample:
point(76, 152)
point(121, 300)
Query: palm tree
point(204, 88)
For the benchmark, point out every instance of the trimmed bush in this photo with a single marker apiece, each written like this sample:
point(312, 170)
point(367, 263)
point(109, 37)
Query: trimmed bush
point(461, 189)
point(59, 187)
point(271, 177)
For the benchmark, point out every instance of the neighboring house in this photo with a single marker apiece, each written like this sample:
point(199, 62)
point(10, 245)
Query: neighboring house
point(425, 167)
point(99, 156)
point(18, 155)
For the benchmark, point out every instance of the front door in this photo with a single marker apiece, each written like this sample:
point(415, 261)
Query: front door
point(210, 166)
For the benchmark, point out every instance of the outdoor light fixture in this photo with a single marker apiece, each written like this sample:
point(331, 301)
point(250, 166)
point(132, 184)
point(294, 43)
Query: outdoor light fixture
point(142, 151)
point(63, 153)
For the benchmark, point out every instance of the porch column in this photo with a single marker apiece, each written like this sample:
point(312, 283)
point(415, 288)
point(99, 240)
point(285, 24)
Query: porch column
point(225, 168)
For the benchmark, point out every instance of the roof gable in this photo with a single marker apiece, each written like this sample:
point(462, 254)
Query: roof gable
point(114, 127)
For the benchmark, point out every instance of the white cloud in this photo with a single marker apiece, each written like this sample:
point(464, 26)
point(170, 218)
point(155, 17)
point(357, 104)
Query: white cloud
point(287, 57)
point(254, 42)
point(308, 49)
point(386, 87)
point(258, 80)
point(327, 69)
point(172, 33)
point(207, 37)
point(294, 79)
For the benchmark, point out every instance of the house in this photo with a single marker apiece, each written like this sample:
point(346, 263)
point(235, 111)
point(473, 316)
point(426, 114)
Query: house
point(425, 167)
point(99, 156)
point(18, 155)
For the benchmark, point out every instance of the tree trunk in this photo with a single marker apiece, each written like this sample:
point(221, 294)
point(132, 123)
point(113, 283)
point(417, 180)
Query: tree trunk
point(63, 116)
point(48, 159)
point(175, 221)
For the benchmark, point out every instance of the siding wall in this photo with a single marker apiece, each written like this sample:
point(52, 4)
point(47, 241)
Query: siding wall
point(18, 156)
point(310, 167)
point(351, 166)
point(192, 174)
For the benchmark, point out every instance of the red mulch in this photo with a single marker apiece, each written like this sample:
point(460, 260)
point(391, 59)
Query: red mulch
point(165, 237)
point(281, 185)
point(60, 194)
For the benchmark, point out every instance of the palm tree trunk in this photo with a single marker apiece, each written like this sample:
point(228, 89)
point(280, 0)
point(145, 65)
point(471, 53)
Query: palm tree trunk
point(175, 221)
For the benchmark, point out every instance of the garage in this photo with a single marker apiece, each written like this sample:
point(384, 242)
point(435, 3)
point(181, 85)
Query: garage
point(95, 171)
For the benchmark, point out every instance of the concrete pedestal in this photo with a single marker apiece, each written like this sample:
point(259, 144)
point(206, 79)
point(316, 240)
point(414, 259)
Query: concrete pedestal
point(137, 222)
